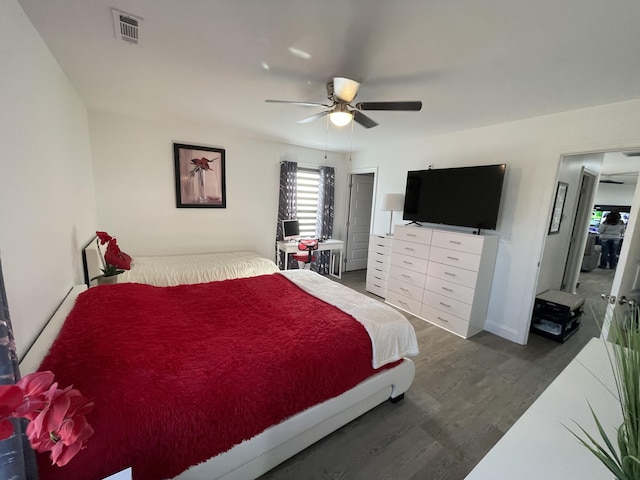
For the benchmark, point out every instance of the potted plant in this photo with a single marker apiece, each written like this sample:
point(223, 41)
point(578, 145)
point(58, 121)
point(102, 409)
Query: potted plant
point(114, 261)
point(622, 454)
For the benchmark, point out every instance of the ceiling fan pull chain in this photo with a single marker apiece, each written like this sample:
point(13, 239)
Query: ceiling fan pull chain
point(326, 139)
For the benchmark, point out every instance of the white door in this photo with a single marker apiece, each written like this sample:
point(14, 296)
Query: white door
point(359, 221)
point(627, 277)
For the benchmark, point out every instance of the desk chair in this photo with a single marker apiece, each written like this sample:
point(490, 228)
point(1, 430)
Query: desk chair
point(305, 259)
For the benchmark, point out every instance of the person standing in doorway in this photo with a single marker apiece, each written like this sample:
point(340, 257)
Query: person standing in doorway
point(611, 232)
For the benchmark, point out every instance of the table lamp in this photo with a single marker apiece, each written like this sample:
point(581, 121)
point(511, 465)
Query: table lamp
point(392, 202)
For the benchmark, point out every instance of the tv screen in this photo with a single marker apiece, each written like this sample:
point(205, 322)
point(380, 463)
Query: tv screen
point(465, 197)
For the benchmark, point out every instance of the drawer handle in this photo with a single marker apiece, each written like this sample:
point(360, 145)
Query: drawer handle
point(403, 303)
point(447, 289)
point(442, 319)
point(378, 270)
point(453, 241)
point(406, 276)
point(453, 258)
point(450, 274)
point(379, 278)
point(409, 248)
point(408, 263)
point(445, 305)
point(378, 253)
point(376, 285)
point(404, 289)
point(411, 234)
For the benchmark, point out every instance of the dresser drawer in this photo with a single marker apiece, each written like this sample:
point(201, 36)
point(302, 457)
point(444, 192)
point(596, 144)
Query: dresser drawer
point(410, 248)
point(457, 275)
point(376, 289)
point(457, 241)
point(445, 320)
point(413, 234)
point(468, 261)
point(380, 244)
point(406, 289)
point(446, 304)
point(412, 263)
point(450, 289)
point(408, 276)
point(405, 303)
point(376, 281)
point(378, 264)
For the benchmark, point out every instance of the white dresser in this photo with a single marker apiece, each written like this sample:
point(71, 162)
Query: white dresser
point(442, 277)
point(378, 264)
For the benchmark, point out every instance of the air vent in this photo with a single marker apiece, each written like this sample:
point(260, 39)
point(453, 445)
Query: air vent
point(127, 27)
point(632, 154)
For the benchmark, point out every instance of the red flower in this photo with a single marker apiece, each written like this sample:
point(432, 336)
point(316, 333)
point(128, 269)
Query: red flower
point(104, 237)
point(116, 257)
point(202, 163)
point(10, 400)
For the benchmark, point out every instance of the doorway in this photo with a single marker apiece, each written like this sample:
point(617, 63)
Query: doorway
point(360, 207)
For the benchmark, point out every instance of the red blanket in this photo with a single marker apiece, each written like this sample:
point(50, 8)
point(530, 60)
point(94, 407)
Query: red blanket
point(179, 374)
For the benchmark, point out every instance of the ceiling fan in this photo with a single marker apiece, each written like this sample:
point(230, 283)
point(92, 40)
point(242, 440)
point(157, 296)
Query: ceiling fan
point(341, 92)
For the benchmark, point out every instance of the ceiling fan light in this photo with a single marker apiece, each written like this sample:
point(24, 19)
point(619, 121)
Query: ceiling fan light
point(340, 119)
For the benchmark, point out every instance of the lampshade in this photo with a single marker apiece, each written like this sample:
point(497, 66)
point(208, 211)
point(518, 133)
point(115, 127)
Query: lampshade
point(340, 119)
point(392, 202)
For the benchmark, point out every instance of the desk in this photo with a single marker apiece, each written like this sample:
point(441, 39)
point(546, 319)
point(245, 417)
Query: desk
point(334, 246)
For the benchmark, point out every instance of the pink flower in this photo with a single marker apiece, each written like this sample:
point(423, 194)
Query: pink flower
point(57, 417)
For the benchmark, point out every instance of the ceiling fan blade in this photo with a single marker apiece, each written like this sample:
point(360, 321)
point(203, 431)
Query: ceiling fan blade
point(363, 120)
point(345, 89)
point(312, 117)
point(304, 104)
point(414, 106)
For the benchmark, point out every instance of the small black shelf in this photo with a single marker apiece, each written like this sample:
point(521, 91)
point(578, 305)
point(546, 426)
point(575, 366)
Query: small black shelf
point(556, 315)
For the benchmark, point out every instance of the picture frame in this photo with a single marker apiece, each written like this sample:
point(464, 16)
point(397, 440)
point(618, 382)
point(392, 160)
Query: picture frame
point(558, 208)
point(199, 176)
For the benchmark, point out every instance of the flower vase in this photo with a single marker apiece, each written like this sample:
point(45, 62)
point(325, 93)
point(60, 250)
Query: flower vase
point(202, 198)
point(110, 280)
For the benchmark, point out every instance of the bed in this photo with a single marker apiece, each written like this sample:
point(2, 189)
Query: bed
point(365, 336)
point(171, 270)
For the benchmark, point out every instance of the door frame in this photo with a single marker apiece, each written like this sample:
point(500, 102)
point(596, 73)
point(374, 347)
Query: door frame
point(350, 173)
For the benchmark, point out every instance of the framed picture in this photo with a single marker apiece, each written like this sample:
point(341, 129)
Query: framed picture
point(200, 179)
point(558, 207)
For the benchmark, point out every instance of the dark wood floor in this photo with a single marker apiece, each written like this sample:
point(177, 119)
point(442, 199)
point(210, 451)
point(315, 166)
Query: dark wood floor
point(465, 396)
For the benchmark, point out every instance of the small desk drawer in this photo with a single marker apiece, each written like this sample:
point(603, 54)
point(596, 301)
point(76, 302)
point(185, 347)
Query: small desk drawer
point(403, 288)
point(446, 304)
point(408, 276)
point(412, 249)
point(457, 241)
point(412, 263)
point(457, 275)
point(450, 289)
point(405, 303)
point(445, 320)
point(413, 234)
point(468, 261)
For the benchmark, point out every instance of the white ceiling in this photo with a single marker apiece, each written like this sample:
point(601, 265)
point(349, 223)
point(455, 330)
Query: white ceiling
point(471, 62)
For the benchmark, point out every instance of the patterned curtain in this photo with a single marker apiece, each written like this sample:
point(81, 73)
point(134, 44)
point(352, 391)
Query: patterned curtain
point(17, 460)
point(288, 204)
point(324, 216)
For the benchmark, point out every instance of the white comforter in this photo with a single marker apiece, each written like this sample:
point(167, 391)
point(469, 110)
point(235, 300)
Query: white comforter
point(165, 271)
point(392, 336)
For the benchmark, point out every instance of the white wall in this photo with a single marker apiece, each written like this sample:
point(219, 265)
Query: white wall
point(47, 205)
point(532, 150)
point(135, 187)
point(611, 194)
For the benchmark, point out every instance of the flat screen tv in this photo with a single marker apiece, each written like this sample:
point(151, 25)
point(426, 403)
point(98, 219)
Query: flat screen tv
point(290, 229)
point(465, 196)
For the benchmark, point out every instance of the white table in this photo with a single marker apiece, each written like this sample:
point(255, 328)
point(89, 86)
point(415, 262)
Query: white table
point(335, 246)
point(539, 445)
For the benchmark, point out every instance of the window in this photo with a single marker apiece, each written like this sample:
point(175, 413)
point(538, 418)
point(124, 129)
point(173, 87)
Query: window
point(308, 186)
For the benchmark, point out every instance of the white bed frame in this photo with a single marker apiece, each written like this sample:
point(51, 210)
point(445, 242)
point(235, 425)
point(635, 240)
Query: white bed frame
point(256, 456)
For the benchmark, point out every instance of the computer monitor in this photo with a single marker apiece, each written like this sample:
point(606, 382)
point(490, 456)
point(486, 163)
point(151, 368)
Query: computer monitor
point(290, 229)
